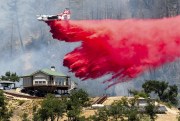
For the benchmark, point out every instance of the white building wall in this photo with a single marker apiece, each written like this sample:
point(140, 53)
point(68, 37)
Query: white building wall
point(40, 79)
point(27, 81)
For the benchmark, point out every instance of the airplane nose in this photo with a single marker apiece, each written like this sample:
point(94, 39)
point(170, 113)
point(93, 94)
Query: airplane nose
point(39, 18)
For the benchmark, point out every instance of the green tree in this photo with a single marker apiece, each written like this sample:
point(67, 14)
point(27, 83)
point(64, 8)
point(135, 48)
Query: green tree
point(78, 99)
point(151, 110)
point(10, 77)
point(156, 86)
point(172, 94)
point(119, 109)
point(123, 110)
point(132, 113)
point(5, 114)
point(51, 108)
point(138, 93)
point(165, 92)
point(74, 113)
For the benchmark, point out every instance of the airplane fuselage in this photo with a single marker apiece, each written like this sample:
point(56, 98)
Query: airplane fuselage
point(53, 17)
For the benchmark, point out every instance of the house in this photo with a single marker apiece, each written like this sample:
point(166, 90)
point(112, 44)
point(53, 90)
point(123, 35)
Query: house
point(142, 103)
point(4, 84)
point(47, 81)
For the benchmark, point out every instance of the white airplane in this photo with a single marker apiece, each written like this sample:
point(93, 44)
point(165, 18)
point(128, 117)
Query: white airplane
point(63, 16)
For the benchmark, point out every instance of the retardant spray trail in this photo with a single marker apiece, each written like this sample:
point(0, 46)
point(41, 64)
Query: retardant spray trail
point(122, 48)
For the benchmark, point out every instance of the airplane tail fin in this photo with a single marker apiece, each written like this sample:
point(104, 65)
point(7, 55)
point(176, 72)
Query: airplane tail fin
point(66, 14)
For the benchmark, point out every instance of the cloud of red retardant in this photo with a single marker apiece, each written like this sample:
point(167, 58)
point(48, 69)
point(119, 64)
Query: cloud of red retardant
point(122, 48)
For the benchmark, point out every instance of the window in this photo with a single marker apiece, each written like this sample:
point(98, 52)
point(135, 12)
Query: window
point(40, 82)
point(61, 81)
point(66, 81)
point(51, 78)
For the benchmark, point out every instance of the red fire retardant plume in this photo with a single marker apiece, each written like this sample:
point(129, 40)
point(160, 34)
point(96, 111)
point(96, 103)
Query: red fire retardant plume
point(122, 48)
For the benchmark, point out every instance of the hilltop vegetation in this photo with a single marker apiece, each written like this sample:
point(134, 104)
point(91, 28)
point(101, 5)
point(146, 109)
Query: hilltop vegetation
point(165, 92)
point(72, 108)
point(5, 114)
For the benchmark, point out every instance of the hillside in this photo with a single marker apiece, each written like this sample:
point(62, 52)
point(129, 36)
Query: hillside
point(26, 42)
point(19, 106)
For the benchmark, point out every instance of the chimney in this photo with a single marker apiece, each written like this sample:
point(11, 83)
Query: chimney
point(52, 68)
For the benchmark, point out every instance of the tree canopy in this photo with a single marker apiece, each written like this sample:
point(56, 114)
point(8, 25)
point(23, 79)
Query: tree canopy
point(78, 99)
point(51, 108)
point(10, 76)
point(165, 92)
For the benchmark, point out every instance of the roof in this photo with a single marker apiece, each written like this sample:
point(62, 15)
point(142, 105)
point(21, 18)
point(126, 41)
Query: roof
point(48, 72)
point(52, 73)
point(6, 82)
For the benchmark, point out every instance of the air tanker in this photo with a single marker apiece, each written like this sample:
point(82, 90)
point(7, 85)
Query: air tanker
point(62, 16)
